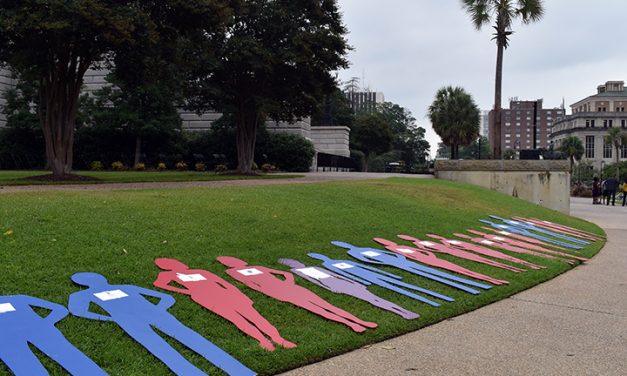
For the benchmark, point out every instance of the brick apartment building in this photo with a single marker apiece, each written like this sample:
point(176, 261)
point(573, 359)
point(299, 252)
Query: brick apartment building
point(517, 125)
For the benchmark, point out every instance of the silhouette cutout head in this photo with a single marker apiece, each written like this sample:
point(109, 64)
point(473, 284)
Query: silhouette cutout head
point(384, 242)
point(318, 256)
point(231, 262)
point(89, 279)
point(291, 263)
point(170, 264)
point(407, 237)
point(343, 244)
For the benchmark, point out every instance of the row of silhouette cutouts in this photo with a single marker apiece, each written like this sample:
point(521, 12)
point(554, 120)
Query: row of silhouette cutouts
point(127, 306)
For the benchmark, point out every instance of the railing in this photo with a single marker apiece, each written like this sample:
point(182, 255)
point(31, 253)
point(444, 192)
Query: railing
point(332, 162)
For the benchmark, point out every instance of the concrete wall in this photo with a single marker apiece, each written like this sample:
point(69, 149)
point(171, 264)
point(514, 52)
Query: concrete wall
point(331, 140)
point(545, 183)
point(6, 83)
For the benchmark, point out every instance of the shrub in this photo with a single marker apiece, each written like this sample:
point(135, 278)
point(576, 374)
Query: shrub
point(140, 167)
point(290, 152)
point(267, 167)
point(360, 159)
point(220, 169)
point(181, 166)
point(200, 166)
point(255, 167)
point(96, 166)
point(118, 166)
point(161, 166)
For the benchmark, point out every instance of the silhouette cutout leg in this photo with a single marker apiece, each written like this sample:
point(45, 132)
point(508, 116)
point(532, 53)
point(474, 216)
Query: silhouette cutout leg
point(245, 325)
point(261, 324)
point(395, 288)
point(57, 347)
point(321, 311)
point(161, 349)
point(21, 360)
point(203, 347)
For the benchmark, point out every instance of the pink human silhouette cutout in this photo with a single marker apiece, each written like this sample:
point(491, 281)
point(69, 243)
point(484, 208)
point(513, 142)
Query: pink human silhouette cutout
point(221, 298)
point(560, 228)
point(481, 249)
point(526, 239)
point(424, 256)
point(442, 248)
point(268, 282)
point(528, 248)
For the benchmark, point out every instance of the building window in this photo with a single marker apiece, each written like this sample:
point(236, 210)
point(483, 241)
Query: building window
point(622, 123)
point(623, 151)
point(607, 150)
point(610, 123)
point(589, 146)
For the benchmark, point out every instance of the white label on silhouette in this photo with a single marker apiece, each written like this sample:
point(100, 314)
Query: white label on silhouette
point(514, 222)
point(250, 272)
point(6, 307)
point(487, 242)
point(498, 238)
point(110, 295)
point(548, 222)
point(504, 233)
point(426, 243)
point(190, 277)
point(405, 250)
point(313, 273)
point(371, 254)
point(343, 265)
point(455, 242)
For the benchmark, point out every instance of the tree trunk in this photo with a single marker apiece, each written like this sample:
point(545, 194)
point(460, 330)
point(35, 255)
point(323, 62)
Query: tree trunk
point(495, 139)
point(617, 163)
point(138, 150)
point(59, 91)
point(247, 121)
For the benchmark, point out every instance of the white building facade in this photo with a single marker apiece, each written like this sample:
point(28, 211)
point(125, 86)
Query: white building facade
point(590, 120)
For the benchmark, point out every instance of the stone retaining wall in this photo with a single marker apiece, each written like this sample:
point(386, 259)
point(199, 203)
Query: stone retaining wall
point(545, 183)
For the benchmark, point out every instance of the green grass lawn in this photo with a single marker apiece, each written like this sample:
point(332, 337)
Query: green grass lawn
point(119, 234)
point(18, 177)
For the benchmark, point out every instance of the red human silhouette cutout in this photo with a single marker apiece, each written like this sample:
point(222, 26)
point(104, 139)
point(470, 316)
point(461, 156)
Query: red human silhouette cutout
point(221, 298)
point(487, 251)
point(442, 248)
point(560, 228)
point(265, 280)
point(524, 238)
point(420, 254)
point(528, 248)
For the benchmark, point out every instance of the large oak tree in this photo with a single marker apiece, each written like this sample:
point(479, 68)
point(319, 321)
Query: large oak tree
point(275, 61)
point(56, 41)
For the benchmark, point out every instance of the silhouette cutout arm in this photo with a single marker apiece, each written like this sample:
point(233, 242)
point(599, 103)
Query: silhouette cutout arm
point(289, 277)
point(163, 281)
point(351, 277)
point(57, 311)
point(165, 301)
point(79, 306)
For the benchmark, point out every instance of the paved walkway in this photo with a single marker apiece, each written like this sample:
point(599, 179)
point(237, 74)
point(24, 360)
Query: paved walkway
point(575, 324)
point(307, 178)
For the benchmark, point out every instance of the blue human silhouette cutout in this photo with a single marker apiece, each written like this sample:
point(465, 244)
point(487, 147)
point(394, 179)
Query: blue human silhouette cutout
point(381, 257)
point(127, 307)
point(368, 275)
point(532, 227)
point(525, 232)
point(20, 326)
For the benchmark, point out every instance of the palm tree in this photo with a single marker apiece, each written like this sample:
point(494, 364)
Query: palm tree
point(455, 118)
point(572, 147)
point(616, 137)
point(503, 13)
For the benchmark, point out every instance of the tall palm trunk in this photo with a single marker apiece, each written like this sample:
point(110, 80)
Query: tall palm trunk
point(138, 150)
point(495, 137)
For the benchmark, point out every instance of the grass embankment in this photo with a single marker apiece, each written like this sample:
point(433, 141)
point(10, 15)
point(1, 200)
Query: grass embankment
point(120, 233)
point(22, 177)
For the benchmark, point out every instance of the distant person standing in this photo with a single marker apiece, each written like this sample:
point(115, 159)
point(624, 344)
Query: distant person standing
point(611, 185)
point(624, 191)
point(596, 190)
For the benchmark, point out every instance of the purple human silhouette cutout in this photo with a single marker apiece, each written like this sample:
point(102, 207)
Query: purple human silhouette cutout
point(20, 326)
point(127, 307)
point(341, 285)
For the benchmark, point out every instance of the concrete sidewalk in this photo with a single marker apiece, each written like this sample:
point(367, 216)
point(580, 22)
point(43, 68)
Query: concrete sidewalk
point(575, 324)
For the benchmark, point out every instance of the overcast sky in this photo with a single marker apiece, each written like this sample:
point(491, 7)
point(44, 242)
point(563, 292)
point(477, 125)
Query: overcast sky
point(408, 49)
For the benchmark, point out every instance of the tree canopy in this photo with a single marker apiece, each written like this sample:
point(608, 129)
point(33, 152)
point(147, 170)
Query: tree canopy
point(572, 147)
point(275, 60)
point(455, 118)
point(55, 44)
